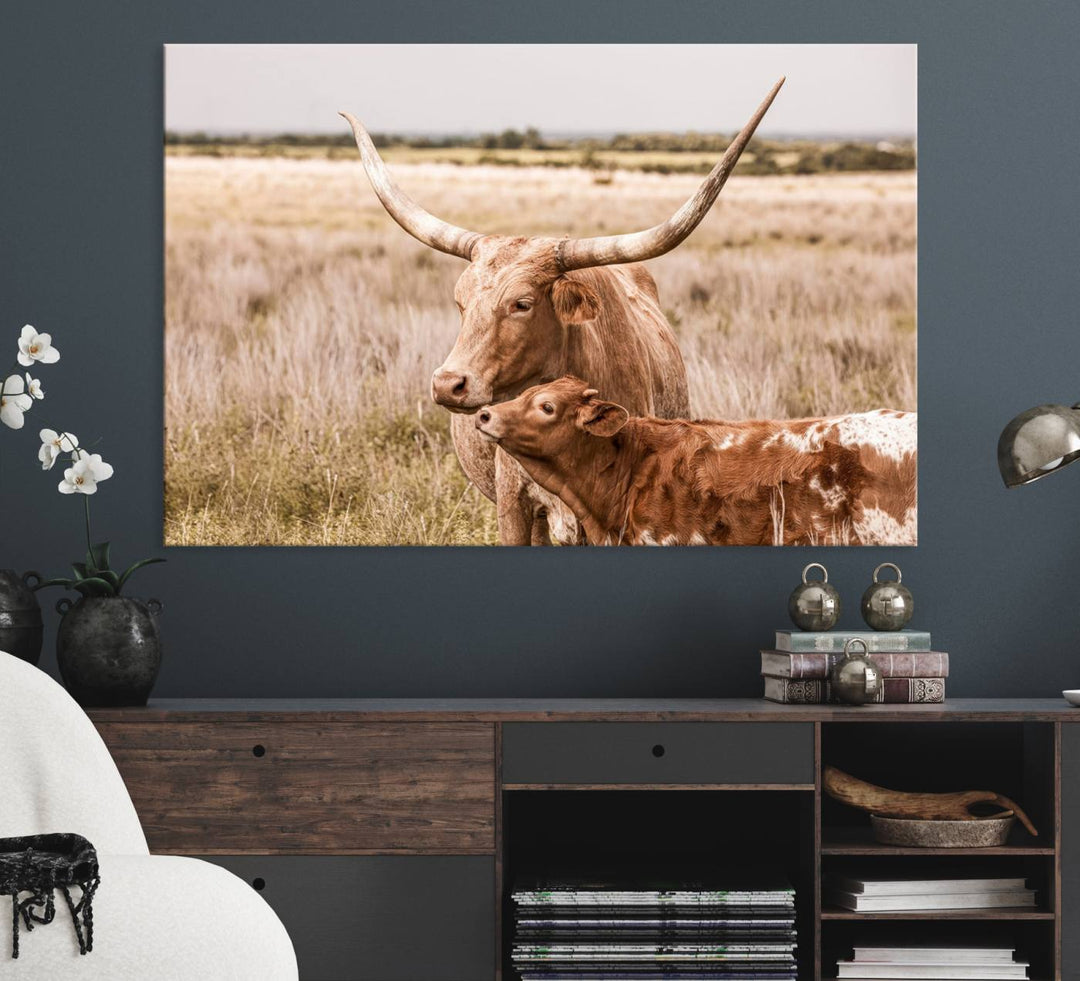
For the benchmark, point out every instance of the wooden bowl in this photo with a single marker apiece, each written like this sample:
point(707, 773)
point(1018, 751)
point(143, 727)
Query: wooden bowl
point(912, 832)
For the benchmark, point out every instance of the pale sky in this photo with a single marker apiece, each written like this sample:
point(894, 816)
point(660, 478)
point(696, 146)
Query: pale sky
point(836, 89)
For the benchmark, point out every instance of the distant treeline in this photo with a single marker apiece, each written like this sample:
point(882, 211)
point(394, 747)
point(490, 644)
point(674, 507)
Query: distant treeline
point(514, 147)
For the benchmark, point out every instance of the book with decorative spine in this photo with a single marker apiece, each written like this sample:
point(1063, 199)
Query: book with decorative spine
point(894, 691)
point(833, 641)
point(816, 664)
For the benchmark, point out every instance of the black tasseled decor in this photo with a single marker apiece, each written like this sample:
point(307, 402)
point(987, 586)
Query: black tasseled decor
point(33, 867)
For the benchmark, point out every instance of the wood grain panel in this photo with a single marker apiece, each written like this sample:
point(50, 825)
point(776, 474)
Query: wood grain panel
point(580, 710)
point(1069, 859)
point(310, 788)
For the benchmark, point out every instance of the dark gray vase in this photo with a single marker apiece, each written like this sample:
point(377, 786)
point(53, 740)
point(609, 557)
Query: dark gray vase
point(20, 616)
point(108, 649)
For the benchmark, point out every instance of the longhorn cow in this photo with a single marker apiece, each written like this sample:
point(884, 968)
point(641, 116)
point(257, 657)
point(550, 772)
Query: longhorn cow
point(639, 481)
point(534, 309)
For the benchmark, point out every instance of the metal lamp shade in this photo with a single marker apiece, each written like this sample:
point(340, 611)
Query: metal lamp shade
point(1037, 442)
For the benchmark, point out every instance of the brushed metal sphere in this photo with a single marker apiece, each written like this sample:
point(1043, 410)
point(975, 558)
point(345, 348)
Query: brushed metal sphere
point(887, 605)
point(855, 679)
point(814, 605)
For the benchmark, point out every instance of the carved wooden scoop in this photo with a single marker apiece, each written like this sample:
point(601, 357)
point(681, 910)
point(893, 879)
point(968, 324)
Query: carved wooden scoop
point(900, 804)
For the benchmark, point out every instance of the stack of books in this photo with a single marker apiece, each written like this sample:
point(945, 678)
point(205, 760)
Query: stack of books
point(797, 669)
point(902, 894)
point(939, 963)
point(579, 931)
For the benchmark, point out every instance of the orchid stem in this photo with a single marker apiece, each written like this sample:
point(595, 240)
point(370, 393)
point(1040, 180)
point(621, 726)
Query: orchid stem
point(89, 547)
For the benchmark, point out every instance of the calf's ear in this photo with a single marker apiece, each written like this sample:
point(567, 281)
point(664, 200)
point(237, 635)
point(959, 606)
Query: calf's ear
point(574, 301)
point(603, 418)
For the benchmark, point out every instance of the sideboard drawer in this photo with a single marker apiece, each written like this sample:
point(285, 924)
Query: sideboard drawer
point(698, 753)
point(230, 788)
point(379, 917)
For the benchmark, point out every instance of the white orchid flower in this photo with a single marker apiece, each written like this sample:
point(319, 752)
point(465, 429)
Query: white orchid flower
point(83, 476)
point(36, 347)
point(53, 444)
point(14, 401)
point(33, 387)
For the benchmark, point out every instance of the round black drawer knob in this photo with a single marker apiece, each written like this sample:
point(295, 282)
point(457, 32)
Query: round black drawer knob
point(258, 883)
point(658, 751)
point(258, 750)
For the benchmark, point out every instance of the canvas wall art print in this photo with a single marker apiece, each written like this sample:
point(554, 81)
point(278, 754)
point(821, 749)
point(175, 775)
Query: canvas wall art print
point(540, 294)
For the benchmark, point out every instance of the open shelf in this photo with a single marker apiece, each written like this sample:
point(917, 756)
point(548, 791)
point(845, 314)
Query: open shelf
point(860, 841)
point(739, 835)
point(1012, 758)
point(1033, 939)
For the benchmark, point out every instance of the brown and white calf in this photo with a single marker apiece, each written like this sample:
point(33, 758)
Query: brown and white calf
point(843, 480)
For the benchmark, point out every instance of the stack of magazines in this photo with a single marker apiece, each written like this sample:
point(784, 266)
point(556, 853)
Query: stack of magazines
point(578, 931)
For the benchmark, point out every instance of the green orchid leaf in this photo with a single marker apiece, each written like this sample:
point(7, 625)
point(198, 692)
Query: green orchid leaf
point(94, 587)
point(97, 558)
point(133, 568)
point(79, 568)
point(110, 577)
point(66, 583)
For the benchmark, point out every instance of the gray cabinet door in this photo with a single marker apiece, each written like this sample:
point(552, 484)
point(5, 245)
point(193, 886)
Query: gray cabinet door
point(1070, 850)
point(381, 917)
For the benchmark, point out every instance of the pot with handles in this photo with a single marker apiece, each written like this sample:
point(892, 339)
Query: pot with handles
point(109, 649)
point(21, 628)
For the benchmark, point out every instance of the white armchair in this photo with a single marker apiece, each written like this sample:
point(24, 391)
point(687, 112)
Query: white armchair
point(164, 918)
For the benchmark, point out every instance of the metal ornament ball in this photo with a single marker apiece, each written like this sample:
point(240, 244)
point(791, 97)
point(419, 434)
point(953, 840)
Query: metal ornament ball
point(855, 679)
point(814, 605)
point(887, 605)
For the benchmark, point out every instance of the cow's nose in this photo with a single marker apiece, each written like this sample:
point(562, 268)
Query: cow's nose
point(485, 416)
point(449, 387)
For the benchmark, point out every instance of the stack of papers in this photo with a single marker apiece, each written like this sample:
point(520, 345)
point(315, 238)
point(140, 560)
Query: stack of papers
point(900, 894)
point(936, 963)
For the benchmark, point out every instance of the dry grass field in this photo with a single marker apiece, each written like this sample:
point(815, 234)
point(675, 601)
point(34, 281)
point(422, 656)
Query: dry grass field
point(302, 327)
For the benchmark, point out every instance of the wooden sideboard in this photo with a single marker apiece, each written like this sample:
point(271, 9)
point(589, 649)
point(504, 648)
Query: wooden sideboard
point(387, 833)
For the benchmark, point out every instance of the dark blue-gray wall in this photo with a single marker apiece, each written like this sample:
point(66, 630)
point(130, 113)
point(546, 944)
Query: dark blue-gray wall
point(996, 576)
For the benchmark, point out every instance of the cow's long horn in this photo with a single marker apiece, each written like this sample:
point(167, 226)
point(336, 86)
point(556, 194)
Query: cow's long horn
point(637, 246)
point(407, 213)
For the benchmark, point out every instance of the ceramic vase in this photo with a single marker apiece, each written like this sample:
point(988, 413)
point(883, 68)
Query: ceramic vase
point(21, 627)
point(109, 649)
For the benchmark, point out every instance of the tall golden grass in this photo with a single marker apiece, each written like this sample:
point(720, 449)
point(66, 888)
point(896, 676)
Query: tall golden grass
point(302, 327)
